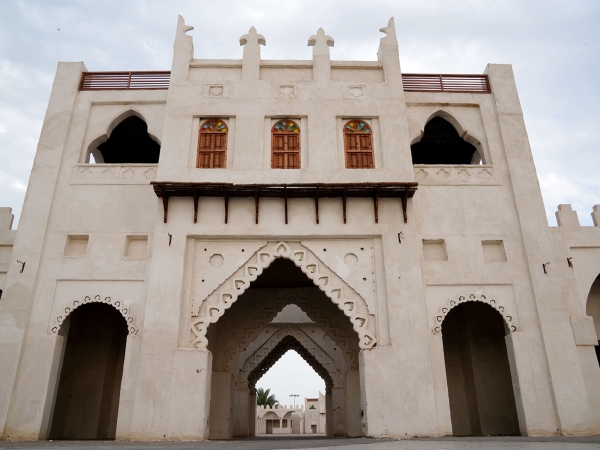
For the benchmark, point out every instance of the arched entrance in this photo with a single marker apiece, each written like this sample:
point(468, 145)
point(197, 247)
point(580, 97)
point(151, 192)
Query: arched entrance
point(87, 401)
point(593, 309)
point(480, 390)
point(245, 341)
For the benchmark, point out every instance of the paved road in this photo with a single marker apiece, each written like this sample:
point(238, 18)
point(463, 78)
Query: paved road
point(271, 443)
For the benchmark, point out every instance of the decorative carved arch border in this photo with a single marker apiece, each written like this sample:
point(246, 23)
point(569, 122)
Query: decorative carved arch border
point(261, 320)
point(509, 317)
point(279, 350)
point(125, 312)
point(234, 286)
point(320, 355)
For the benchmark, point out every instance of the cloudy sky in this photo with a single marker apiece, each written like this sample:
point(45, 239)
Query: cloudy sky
point(554, 47)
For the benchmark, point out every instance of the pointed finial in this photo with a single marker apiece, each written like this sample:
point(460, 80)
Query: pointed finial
point(253, 38)
point(320, 39)
point(181, 26)
point(390, 31)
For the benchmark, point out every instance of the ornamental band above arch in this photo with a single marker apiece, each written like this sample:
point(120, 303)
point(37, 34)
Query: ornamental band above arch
point(342, 295)
point(509, 316)
point(117, 304)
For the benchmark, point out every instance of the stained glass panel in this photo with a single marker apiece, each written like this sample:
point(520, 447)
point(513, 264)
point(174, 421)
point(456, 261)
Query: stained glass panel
point(214, 126)
point(286, 126)
point(357, 126)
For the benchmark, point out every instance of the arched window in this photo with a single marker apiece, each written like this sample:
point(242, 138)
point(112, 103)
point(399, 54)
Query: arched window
point(285, 145)
point(441, 144)
point(212, 145)
point(130, 143)
point(358, 145)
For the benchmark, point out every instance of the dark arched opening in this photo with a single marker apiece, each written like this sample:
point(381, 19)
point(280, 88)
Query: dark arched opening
point(130, 143)
point(441, 144)
point(87, 401)
point(593, 310)
point(480, 390)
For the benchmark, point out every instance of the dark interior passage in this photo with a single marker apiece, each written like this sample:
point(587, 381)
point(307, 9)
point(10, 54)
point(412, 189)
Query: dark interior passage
point(87, 401)
point(441, 144)
point(130, 143)
point(480, 387)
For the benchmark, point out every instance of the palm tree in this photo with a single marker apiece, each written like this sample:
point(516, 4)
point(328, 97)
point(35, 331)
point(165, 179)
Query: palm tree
point(264, 399)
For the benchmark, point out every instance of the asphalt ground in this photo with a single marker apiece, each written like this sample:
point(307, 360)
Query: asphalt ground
point(313, 442)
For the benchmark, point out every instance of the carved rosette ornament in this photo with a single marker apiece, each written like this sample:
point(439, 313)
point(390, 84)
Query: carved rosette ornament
point(509, 317)
point(125, 312)
point(209, 310)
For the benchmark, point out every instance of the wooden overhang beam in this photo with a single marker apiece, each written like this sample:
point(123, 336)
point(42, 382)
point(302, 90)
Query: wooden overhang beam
point(400, 190)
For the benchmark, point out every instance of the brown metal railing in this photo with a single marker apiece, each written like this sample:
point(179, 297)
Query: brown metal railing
point(418, 82)
point(98, 81)
point(413, 82)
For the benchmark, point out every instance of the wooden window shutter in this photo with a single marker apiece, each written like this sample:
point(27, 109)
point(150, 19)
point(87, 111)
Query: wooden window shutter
point(285, 145)
point(212, 145)
point(358, 145)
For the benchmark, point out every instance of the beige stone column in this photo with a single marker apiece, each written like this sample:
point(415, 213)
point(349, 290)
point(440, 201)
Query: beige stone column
point(220, 416)
point(241, 410)
point(329, 412)
point(353, 404)
point(190, 394)
point(550, 314)
point(252, 413)
point(28, 353)
point(440, 385)
point(338, 398)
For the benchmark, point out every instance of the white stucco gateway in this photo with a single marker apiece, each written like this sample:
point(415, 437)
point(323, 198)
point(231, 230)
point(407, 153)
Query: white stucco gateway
point(182, 230)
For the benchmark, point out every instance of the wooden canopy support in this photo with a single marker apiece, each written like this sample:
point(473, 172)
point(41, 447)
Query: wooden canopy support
point(375, 191)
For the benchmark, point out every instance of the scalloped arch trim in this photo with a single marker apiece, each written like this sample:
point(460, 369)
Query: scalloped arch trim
point(125, 312)
point(228, 293)
point(509, 317)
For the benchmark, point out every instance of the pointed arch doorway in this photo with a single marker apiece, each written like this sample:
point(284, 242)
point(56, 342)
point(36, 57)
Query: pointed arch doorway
point(246, 330)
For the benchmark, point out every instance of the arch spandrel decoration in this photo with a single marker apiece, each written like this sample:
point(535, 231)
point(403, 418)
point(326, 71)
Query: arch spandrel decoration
point(343, 296)
point(510, 317)
point(117, 304)
point(262, 318)
point(254, 361)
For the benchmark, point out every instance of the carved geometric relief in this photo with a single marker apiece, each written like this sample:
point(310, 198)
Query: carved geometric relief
point(455, 175)
point(260, 319)
point(340, 293)
point(509, 316)
point(214, 262)
point(113, 173)
point(352, 261)
point(326, 361)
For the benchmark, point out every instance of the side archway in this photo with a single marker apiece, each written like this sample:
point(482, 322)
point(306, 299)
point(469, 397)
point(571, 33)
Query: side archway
point(478, 374)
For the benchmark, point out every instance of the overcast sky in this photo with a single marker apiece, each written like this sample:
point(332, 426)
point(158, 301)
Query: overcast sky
point(554, 47)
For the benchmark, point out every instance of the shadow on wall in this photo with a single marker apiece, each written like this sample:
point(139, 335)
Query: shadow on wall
point(129, 143)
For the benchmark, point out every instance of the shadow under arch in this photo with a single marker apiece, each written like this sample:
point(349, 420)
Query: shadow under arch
point(87, 398)
point(348, 301)
point(480, 388)
point(445, 141)
point(127, 141)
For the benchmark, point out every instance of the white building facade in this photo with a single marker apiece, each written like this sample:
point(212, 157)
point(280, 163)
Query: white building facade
point(170, 217)
point(308, 418)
